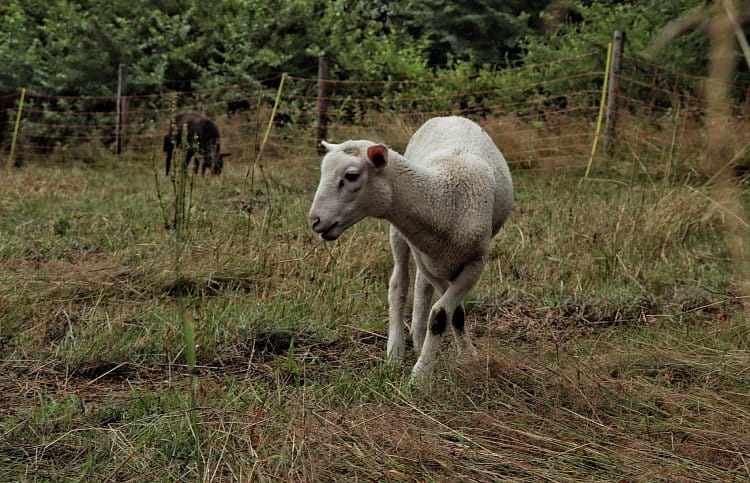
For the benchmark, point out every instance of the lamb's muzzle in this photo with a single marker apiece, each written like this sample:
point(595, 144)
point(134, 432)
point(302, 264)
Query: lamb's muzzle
point(445, 198)
point(326, 231)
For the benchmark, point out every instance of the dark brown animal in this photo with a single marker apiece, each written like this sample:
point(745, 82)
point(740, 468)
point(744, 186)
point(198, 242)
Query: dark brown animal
point(202, 138)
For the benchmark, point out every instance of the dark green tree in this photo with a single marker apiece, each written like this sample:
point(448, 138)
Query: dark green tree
point(478, 31)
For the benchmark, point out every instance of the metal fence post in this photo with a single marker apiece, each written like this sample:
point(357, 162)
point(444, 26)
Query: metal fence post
point(613, 91)
point(321, 111)
point(120, 107)
point(16, 128)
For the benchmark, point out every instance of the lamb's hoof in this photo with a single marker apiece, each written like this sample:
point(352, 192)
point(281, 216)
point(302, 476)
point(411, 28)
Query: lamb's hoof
point(418, 388)
point(417, 345)
point(420, 378)
point(470, 352)
point(395, 354)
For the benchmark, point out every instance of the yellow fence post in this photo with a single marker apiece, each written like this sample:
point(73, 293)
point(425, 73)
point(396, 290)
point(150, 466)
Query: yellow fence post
point(268, 128)
point(601, 110)
point(15, 129)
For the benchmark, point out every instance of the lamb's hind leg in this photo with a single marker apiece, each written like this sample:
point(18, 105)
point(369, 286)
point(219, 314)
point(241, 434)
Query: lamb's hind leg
point(461, 333)
point(398, 288)
point(441, 315)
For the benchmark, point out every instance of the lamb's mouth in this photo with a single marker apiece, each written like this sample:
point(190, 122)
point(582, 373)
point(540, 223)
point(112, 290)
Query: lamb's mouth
point(328, 235)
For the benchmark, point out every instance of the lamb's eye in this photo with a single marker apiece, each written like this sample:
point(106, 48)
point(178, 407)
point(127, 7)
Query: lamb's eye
point(351, 176)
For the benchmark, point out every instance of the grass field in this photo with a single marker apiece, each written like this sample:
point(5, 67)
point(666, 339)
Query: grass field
point(611, 336)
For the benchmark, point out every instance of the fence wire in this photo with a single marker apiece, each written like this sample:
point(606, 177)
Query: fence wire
point(541, 116)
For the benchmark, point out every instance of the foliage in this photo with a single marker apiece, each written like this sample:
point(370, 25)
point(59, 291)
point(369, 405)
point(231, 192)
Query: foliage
point(642, 21)
point(74, 48)
point(19, 47)
point(478, 31)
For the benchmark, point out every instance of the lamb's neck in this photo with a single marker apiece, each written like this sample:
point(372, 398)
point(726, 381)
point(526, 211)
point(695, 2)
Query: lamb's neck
point(415, 201)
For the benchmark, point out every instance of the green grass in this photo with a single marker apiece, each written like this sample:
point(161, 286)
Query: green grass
point(611, 334)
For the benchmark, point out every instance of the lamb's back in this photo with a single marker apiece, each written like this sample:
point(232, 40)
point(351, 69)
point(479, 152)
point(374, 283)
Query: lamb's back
point(452, 144)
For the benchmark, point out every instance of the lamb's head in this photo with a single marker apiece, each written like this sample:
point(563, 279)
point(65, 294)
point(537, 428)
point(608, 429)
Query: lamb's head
point(352, 186)
point(218, 165)
point(214, 157)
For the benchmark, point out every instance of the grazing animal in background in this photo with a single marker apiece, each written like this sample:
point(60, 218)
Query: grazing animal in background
point(202, 137)
point(445, 198)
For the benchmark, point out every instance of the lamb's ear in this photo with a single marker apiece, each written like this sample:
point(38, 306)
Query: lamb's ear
point(329, 147)
point(378, 155)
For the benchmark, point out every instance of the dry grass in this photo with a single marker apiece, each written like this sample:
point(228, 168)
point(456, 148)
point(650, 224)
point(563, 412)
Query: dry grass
point(609, 323)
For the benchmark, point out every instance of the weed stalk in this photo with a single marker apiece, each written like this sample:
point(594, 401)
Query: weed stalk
point(182, 201)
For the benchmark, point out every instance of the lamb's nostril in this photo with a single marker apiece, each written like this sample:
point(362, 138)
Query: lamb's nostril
point(314, 221)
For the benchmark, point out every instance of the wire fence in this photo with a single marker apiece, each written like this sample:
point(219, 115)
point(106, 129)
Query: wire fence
point(543, 117)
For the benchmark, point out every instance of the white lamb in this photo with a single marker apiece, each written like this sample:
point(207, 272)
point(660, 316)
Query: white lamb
point(445, 198)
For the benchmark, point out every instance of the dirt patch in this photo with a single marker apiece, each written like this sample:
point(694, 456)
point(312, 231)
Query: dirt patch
point(108, 371)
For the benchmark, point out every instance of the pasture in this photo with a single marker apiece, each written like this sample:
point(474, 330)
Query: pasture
point(611, 335)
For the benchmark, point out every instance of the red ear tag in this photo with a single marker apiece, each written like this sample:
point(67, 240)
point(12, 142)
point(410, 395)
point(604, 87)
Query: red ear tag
point(378, 155)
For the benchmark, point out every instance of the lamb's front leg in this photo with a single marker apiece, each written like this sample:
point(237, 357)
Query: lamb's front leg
point(443, 313)
point(398, 288)
point(423, 291)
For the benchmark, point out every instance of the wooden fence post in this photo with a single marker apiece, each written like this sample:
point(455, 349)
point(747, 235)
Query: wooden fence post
point(321, 116)
point(124, 108)
point(15, 129)
point(613, 91)
point(120, 107)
